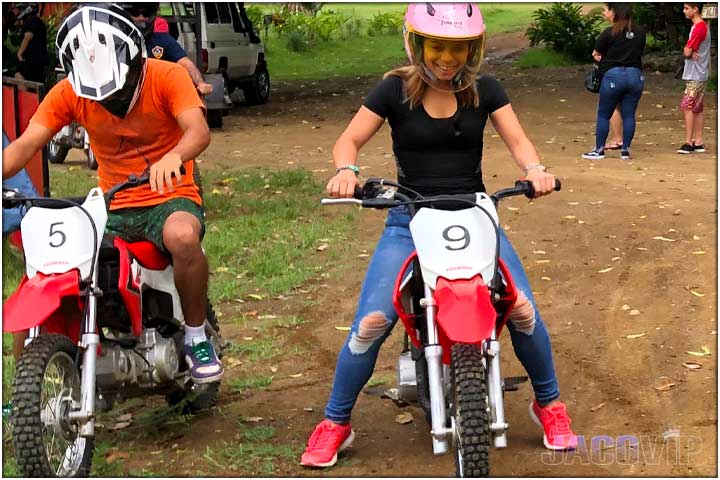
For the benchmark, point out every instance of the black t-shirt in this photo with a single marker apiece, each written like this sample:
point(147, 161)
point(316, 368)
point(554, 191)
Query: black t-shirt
point(164, 47)
point(36, 52)
point(622, 50)
point(437, 155)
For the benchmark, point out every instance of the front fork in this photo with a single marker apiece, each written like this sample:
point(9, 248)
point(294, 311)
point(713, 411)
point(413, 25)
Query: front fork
point(85, 417)
point(498, 426)
point(433, 355)
point(441, 432)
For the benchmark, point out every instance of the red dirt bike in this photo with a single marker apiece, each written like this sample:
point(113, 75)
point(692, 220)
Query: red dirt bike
point(453, 296)
point(105, 324)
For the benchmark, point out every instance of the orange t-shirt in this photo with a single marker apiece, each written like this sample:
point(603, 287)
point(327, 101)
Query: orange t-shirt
point(143, 137)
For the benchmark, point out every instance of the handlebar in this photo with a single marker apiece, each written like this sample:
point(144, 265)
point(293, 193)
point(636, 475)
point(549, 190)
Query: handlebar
point(372, 195)
point(12, 198)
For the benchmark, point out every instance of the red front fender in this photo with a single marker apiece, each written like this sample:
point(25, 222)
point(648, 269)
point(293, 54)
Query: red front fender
point(465, 313)
point(40, 298)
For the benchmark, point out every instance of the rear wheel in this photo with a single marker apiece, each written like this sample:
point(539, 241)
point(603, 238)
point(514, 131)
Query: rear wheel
point(470, 412)
point(56, 152)
point(199, 397)
point(258, 92)
point(215, 118)
point(91, 160)
point(45, 391)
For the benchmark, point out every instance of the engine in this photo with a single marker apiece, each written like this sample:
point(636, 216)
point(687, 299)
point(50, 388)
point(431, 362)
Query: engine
point(151, 362)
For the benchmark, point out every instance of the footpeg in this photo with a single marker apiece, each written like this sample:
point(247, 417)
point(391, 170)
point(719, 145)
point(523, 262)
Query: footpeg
point(511, 384)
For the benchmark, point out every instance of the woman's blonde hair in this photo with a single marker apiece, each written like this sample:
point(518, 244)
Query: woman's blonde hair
point(415, 85)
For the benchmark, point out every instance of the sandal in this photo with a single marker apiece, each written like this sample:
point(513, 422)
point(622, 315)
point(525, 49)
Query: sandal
point(613, 146)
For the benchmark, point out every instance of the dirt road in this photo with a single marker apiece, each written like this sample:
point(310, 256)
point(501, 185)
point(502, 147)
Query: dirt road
point(626, 285)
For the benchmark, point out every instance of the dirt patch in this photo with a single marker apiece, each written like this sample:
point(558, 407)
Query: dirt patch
point(629, 288)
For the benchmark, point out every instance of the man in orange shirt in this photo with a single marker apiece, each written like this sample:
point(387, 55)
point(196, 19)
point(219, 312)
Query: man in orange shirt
point(142, 115)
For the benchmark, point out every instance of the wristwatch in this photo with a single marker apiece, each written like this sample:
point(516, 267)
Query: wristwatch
point(535, 166)
point(352, 168)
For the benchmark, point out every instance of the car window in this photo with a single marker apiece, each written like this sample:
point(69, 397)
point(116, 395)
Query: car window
point(224, 11)
point(211, 13)
point(165, 10)
point(237, 22)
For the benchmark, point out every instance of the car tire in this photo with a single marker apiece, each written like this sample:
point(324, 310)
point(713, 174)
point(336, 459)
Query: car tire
point(258, 91)
point(215, 118)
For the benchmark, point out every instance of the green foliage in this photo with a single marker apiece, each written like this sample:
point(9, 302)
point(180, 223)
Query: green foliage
point(303, 31)
point(386, 23)
point(563, 28)
point(665, 22)
point(255, 14)
point(543, 58)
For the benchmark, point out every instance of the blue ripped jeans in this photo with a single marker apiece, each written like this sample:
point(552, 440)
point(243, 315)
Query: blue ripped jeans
point(357, 358)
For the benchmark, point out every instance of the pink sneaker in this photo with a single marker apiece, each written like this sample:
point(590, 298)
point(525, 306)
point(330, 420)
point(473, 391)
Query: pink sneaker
point(555, 423)
point(326, 441)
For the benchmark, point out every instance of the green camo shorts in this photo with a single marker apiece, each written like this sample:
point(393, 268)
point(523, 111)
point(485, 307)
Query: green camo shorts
point(146, 223)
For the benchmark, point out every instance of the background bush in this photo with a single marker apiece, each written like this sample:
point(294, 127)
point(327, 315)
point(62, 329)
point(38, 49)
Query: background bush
point(563, 27)
point(386, 23)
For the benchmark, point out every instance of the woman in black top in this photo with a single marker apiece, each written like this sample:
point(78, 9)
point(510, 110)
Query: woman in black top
point(619, 50)
point(437, 109)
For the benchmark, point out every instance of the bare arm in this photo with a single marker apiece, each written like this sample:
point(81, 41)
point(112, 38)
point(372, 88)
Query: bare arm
point(23, 46)
point(18, 153)
point(521, 148)
point(195, 75)
point(195, 139)
point(361, 129)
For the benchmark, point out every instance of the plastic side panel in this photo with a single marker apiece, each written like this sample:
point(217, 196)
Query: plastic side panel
point(465, 313)
point(148, 255)
point(40, 298)
point(128, 287)
point(506, 303)
point(408, 319)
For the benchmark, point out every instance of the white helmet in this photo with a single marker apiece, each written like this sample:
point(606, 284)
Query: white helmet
point(103, 54)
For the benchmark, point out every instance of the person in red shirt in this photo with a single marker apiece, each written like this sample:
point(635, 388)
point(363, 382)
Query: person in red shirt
point(695, 74)
point(143, 115)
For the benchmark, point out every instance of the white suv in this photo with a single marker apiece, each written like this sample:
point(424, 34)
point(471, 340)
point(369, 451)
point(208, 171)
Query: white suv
point(228, 44)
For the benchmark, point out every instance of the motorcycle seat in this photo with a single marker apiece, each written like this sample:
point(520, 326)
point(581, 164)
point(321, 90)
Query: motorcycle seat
point(148, 255)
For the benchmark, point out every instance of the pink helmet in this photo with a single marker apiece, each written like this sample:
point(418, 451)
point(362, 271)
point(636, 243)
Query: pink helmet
point(444, 21)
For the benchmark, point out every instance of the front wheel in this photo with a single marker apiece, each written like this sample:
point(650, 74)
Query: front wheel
point(470, 411)
point(56, 152)
point(45, 391)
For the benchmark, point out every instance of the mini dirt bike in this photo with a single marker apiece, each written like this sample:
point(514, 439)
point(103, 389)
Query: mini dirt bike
point(453, 296)
point(70, 136)
point(105, 324)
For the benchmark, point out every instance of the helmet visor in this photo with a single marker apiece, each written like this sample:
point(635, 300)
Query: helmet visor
point(465, 64)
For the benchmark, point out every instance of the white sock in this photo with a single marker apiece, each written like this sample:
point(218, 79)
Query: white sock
point(194, 335)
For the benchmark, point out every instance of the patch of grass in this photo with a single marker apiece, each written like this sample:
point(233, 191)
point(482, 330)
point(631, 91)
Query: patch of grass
point(508, 17)
point(382, 379)
point(9, 467)
point(263, 231)
point(251, 454)
point(100, 465)
point(712, 83)
point(336, 58)
point(543, 58)
point(259, 348)
point(241, 385)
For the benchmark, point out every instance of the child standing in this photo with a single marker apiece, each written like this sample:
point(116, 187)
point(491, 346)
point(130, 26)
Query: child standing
point(695, 74)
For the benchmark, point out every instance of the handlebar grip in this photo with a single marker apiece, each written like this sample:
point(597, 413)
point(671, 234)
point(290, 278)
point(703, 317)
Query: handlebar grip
point(358, 194)
point(558, 185)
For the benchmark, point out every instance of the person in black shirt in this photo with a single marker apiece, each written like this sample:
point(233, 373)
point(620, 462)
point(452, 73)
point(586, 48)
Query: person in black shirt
point(437, 109)
point(619, 50)
point(32, 55)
